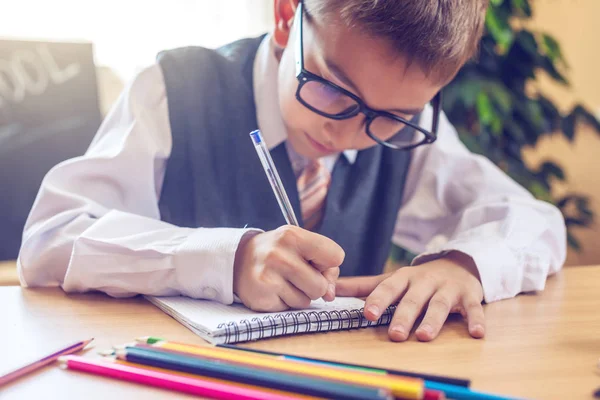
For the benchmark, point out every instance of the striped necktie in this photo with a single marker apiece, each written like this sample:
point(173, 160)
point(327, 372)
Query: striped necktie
point(313, 184)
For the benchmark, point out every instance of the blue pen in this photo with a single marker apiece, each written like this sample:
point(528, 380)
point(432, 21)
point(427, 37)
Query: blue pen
point(269, 166)
point(463, 393)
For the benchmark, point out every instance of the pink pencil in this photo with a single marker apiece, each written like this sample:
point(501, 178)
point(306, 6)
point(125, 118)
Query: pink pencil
point(36, 364)
point(196, 386)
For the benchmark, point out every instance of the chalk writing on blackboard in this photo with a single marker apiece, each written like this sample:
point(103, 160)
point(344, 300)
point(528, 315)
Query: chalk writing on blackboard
point(30, 72)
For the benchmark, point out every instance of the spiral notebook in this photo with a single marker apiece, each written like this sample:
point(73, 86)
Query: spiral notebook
point(219, 323)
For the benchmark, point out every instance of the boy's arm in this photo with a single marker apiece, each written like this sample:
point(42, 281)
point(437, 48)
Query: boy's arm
point(456, 200)
point(95, 224)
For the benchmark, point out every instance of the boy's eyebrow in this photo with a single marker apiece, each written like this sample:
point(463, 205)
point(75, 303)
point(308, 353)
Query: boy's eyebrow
point(337, 71)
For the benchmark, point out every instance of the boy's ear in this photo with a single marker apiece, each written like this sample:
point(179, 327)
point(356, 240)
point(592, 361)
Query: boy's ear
point(284, 17)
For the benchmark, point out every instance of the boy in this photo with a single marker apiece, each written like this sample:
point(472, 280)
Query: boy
point(160, 202)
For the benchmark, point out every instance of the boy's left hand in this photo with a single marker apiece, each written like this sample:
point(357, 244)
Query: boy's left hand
point(442, 286)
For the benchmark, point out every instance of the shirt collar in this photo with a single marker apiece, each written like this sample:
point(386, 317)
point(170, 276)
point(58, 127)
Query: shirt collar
point(266, 97)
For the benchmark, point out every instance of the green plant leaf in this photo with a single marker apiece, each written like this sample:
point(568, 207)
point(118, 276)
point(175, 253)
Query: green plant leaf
point(527, 41)
point(499, 95)
point(568, 126)
point(515, 132)
point(539, 191)
point(581, 112)
point(552, 49)
point(549, 169)
point(534, 111)
point(546, 64)
point(470, 91)
point(521, 7)
point(573, 242)
point(496, 22)
point(487, 114)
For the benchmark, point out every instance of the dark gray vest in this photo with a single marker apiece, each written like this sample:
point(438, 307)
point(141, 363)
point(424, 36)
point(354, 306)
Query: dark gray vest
point(214, 177)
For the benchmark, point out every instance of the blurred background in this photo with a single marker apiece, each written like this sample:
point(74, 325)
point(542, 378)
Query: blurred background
point(530, 103)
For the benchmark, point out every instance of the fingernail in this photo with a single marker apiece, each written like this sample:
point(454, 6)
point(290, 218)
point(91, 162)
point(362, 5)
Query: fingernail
point(398, 330)
point(477, 328)
point(331, 290)
point(426, 328)
point(373, 310)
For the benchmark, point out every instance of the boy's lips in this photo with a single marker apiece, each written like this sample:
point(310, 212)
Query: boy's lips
point(318, 146)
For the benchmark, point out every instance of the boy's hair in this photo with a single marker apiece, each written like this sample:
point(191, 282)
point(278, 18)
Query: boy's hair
point(439, 35)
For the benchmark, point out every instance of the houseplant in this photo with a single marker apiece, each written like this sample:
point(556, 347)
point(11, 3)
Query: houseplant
point(498, 111)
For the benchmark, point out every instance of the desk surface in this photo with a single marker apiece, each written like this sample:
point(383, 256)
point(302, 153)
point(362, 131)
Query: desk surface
point(542, 346)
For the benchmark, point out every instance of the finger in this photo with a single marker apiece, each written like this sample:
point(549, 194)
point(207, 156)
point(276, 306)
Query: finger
point(475, 317)
point(386, 293)
point(360, 286)
point(437, 312)
point(409, 309)
point(321, 251)
point(307, 279)
point(271, 303)
point(293, 297)
point(331, 275)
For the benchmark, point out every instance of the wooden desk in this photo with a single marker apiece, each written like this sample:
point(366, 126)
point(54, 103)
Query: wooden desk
point(542, 346)
point(8, 273)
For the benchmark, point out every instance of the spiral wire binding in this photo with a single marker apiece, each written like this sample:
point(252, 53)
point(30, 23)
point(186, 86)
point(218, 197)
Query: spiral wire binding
point(299, 322)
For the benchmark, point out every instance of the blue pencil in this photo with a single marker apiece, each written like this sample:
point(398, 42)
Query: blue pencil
point(252, 376)
point(462, 393)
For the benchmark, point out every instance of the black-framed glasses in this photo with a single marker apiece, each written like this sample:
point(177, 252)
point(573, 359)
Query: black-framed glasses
point(332, 101)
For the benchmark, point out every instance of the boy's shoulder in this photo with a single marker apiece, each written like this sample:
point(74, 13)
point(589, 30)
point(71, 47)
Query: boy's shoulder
point(189, 56)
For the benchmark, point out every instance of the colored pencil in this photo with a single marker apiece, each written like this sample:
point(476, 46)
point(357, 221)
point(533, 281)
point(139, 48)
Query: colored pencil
point(273, 379)
point(461, 393)
point(401, 387)
point(427, 377)
point(196, 386)
point(434, 395)
point(41, 362)
point(195, 376)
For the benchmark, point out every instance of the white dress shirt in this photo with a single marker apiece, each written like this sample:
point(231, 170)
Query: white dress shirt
point(95, 224)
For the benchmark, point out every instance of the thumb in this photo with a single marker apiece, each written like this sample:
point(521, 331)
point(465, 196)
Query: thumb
point(360, 286)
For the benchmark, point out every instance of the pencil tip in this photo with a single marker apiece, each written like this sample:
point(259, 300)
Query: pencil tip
point(107, 352)
point(62, 361)
point(142, 339)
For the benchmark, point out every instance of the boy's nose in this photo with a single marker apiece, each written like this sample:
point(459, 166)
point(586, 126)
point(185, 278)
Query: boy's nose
point(342, 134)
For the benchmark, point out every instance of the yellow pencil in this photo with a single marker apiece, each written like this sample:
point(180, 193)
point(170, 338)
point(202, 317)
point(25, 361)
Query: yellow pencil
point(401, 387)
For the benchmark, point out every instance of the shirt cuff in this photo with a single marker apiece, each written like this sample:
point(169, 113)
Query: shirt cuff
point(499, 267)
point(204, 263)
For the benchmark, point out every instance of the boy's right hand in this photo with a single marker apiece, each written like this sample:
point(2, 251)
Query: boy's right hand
point(286, 268)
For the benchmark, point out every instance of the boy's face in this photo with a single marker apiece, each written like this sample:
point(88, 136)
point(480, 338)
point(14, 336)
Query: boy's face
point(367, 67)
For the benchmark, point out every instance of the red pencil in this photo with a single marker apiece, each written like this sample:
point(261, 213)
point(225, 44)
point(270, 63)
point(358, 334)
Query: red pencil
point(36, 364)
point(434, 395)
point(176, 382)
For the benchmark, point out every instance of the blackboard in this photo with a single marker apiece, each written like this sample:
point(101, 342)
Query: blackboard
point(49, 112)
